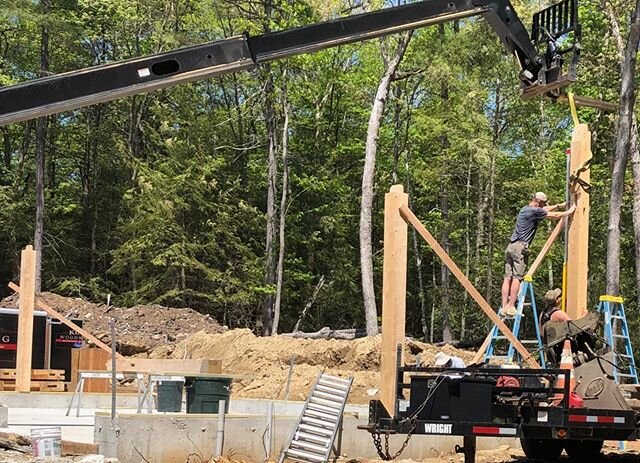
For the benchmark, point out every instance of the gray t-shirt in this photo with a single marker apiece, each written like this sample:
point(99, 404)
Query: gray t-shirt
point(527, 224)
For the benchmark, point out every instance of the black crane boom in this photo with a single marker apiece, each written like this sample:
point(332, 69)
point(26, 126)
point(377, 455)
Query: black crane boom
point(539, 73)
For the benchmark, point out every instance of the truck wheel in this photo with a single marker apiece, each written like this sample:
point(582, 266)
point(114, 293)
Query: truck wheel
point(583, 450)
point(541, 449)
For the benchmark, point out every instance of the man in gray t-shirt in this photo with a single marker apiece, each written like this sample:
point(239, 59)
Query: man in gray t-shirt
point(517, 253)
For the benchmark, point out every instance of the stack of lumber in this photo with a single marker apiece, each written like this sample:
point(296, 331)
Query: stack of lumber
point(41, 380)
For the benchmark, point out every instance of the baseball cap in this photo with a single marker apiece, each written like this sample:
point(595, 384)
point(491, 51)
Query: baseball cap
point(441, 359)
point(540, 196)
point(550, 296)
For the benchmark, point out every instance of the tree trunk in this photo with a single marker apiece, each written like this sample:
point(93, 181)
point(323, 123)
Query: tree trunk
point(433, 302)
point(443, 199)
point(366, 248)
point(17, 192)
point(444, 270)
point(635, 168)
point(491, 191)
point(41, 138)
point(283, 210)
point(467, 244)
point(623, 136)
point(272, 174)
point(6, 143)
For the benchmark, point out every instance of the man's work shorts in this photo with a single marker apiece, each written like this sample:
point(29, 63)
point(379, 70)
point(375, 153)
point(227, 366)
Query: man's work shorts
point(515, 260)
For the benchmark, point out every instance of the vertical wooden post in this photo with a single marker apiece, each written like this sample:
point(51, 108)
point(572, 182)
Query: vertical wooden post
point(394, 293)
point(578, 236)
point(25, 319)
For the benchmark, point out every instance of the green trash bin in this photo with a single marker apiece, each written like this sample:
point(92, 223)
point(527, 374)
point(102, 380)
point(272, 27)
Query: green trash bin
point(204, 394)
point(170, 396)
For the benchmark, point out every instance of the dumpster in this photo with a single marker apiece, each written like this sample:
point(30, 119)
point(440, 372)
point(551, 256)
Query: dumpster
point(170, 396)
point(204, 394)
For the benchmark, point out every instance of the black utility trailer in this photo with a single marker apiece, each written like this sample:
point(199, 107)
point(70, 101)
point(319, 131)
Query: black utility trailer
point(500, 402)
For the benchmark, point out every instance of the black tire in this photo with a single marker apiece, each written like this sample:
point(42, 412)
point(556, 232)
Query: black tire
point(583, 450)
point(542, 449)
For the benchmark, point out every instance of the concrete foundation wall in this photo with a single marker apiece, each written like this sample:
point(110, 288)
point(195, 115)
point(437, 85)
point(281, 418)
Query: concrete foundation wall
point(172, 438)
point(4, 416)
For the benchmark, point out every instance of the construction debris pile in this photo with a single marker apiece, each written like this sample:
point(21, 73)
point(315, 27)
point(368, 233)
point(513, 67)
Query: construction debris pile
point(270, 360)
point(140, 328)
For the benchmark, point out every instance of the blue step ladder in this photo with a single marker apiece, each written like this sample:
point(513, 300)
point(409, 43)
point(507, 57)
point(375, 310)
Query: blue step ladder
point(616, 329)
point(526, 299)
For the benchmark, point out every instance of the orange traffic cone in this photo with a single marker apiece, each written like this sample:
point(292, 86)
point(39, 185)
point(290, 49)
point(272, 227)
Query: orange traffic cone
point(566, 363)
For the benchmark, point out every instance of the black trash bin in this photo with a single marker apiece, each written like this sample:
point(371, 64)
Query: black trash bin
point(204, 394)
point(170, 396)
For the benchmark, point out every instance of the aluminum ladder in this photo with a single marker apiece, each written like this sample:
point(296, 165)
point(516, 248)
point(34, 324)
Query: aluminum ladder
point(320, 422)
point(615, 329)
point(526, 299)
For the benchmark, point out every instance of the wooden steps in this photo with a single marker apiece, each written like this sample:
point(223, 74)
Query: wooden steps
point(41, 380)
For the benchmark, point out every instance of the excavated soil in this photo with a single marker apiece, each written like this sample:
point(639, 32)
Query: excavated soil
point(139, 329)
point(270, 360)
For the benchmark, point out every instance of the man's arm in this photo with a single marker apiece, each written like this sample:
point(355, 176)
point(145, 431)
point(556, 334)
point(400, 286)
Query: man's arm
point(560, 215)
point(554, 207)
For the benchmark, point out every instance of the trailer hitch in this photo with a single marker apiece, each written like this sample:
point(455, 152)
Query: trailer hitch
point(468, 449)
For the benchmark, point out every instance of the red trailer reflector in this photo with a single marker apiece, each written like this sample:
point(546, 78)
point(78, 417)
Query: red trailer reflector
point(599, 419)
point(494, 431)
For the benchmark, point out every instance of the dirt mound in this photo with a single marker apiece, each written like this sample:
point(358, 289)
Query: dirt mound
point(139, 329)
point(268, 360)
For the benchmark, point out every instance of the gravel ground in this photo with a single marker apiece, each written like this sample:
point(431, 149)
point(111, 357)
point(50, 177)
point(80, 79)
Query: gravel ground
point(503, 454)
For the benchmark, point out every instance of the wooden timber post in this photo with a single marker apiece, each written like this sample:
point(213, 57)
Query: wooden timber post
point(578, 236)
point(394, 294)
point(25, 319)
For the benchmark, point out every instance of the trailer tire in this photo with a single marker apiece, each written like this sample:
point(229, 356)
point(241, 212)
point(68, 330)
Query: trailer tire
point(541, 449)
point(583, 450)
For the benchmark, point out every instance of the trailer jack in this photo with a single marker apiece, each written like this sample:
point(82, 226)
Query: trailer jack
point(468, 449)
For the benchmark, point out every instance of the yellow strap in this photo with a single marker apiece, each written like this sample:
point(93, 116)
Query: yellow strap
point(528, 278)
point(607, 298)
point(572, 105)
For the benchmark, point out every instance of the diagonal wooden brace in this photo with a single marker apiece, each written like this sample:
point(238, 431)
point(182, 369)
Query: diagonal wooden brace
point(47, 308)
point(473, 292)
point(545, 249)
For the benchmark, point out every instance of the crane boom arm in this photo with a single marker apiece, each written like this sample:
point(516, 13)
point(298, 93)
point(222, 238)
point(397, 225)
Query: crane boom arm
point(75, 89)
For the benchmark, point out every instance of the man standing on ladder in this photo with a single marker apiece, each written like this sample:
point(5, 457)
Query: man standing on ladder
point(517, 252)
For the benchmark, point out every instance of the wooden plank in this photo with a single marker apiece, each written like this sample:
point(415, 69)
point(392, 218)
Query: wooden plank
point(536, 263)
point(84, 333)
point(394, 294)
point(89, 358)
point(43, 386)
point(25, 319)
point(78, 448)
point(483, 348)
point(578, 236)
point(545, 249)
point(10, 373)
point(473, 292)
point(168, 365)
point(68, 447)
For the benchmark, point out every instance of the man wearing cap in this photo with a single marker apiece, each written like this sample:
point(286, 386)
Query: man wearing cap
point(552, 311)
point(443, 360)
point(517, 252)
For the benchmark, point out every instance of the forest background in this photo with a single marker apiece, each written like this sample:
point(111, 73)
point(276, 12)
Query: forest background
point(255, 197)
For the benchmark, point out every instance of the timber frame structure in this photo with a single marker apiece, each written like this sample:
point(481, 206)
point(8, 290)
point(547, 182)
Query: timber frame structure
point(394, 282)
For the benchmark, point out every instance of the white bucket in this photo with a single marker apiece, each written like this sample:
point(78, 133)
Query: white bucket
point(46, 442)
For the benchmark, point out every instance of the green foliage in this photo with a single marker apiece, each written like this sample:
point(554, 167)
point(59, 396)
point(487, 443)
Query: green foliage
point(162, 197)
